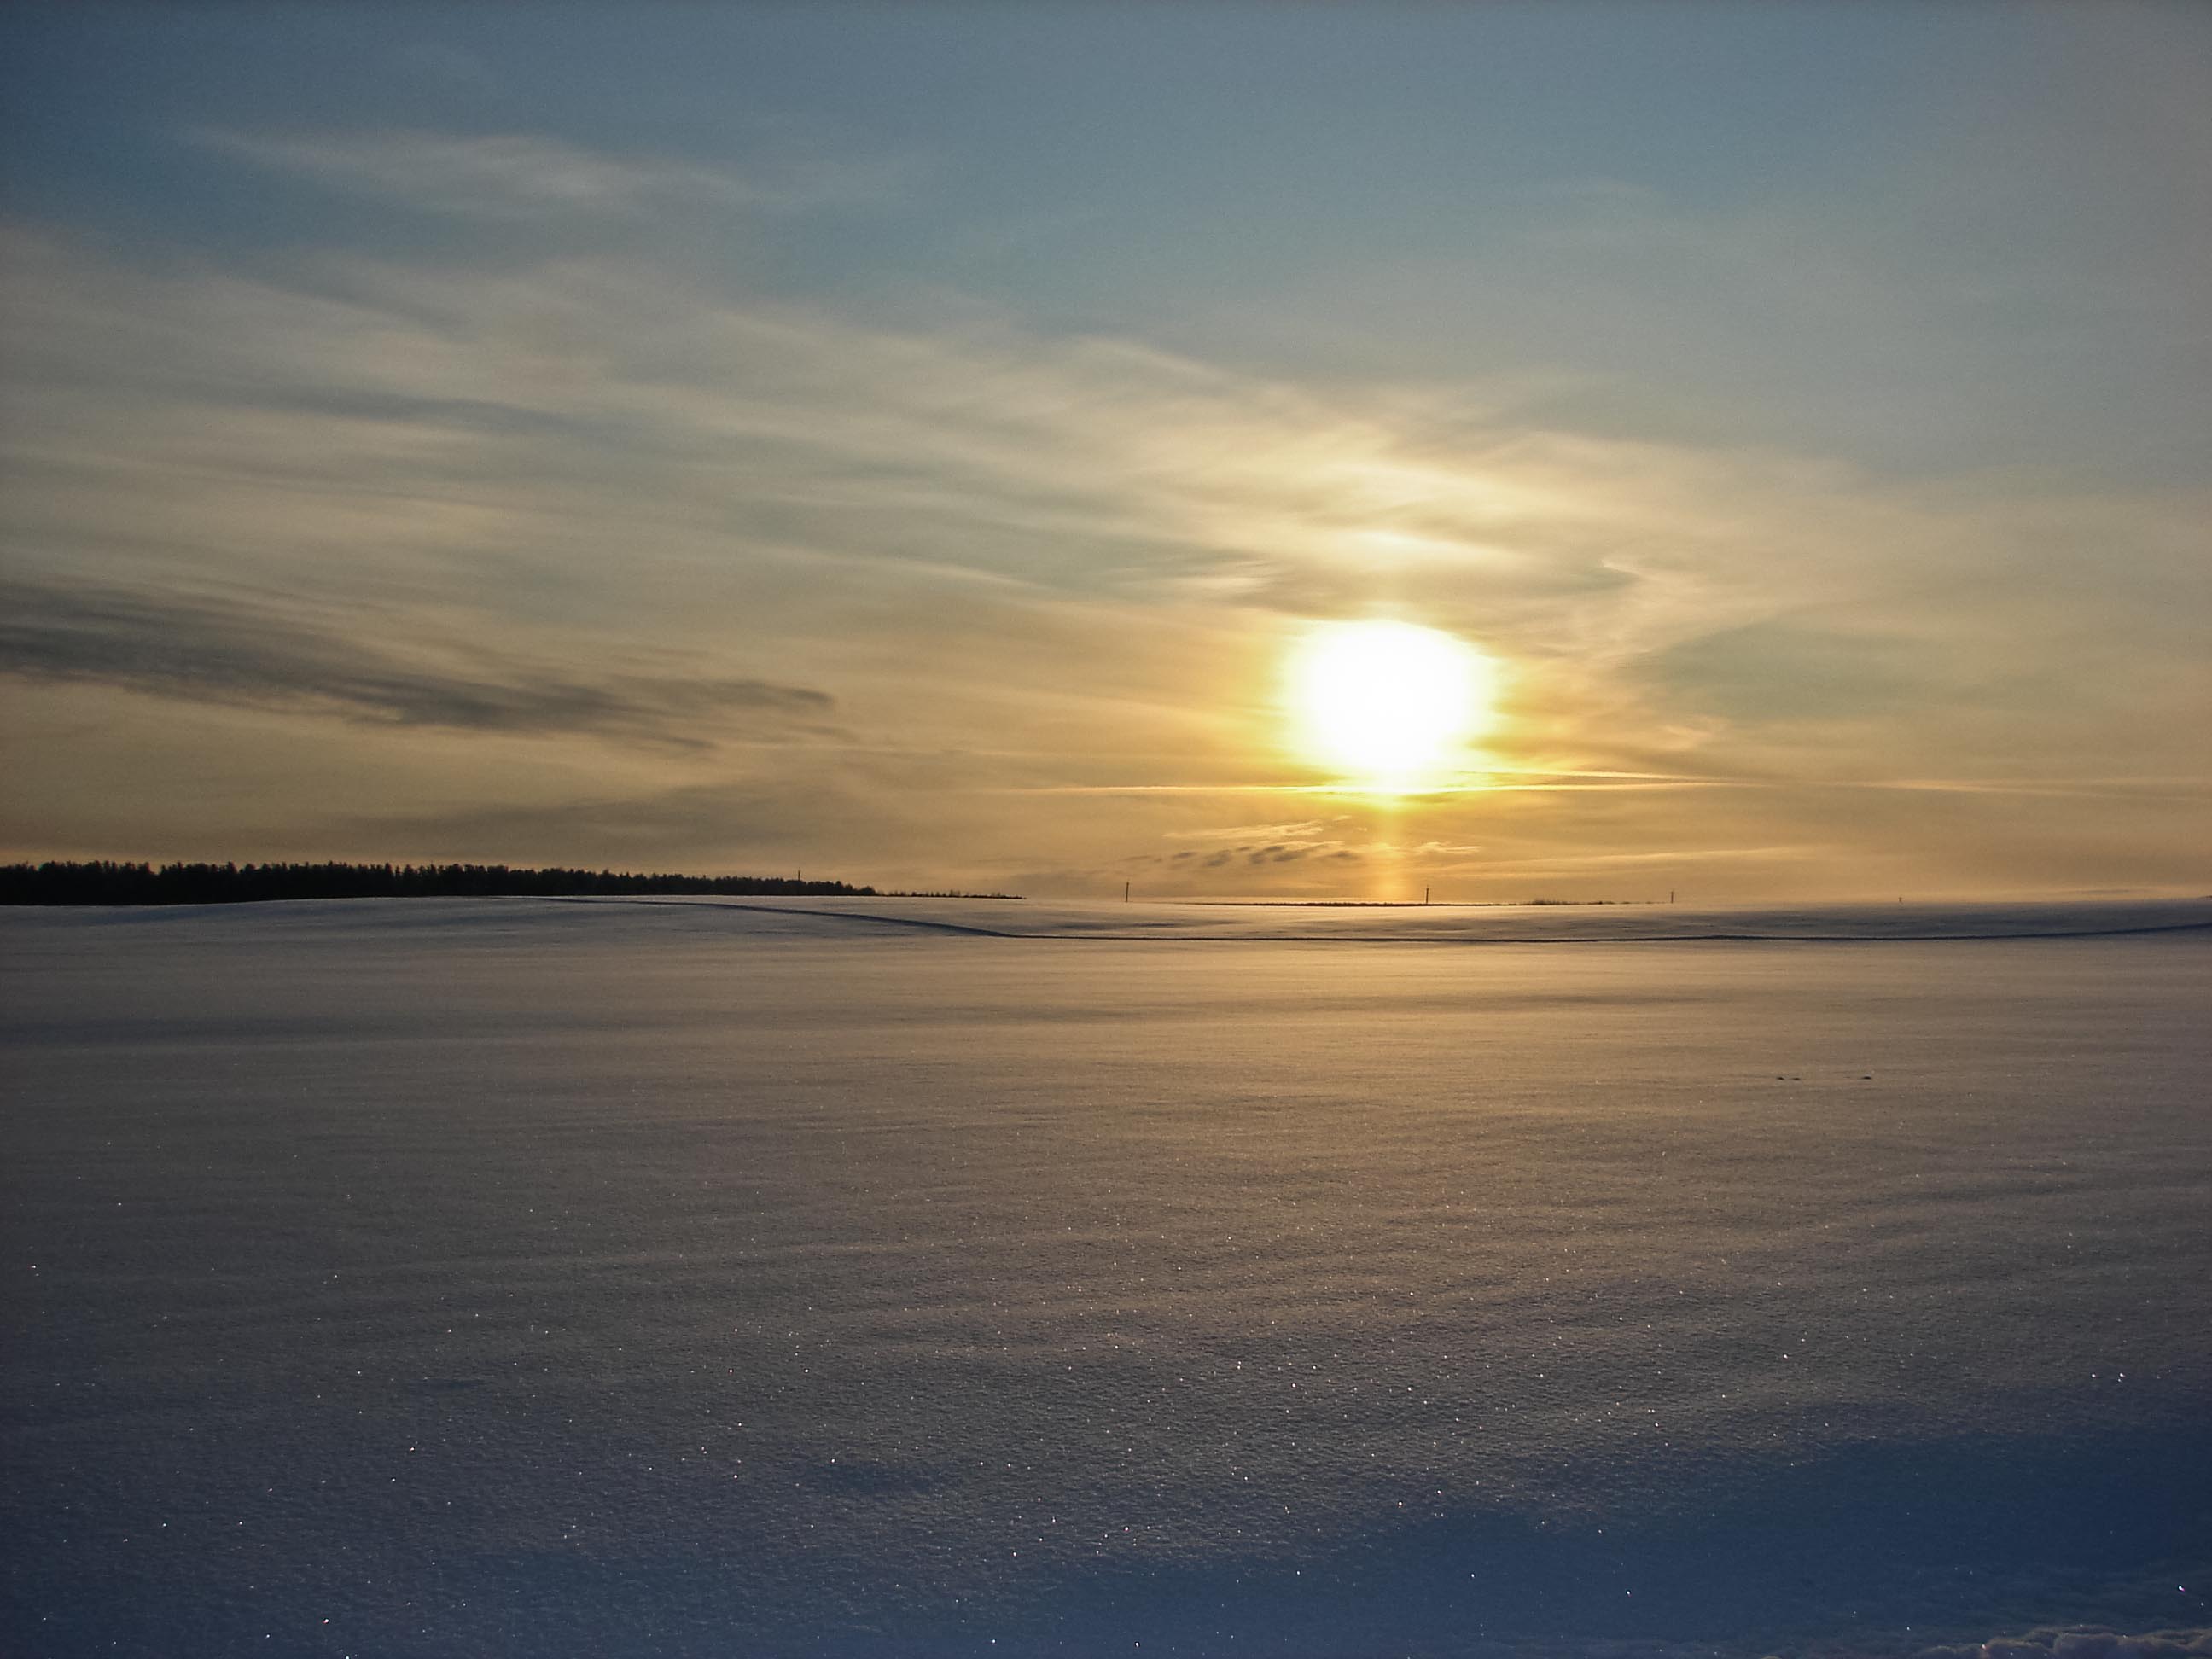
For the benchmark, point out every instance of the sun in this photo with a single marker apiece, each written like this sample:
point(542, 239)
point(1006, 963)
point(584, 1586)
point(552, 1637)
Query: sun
point(1387, 705)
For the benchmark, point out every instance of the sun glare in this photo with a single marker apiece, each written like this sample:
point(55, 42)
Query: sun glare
point(1388, 705)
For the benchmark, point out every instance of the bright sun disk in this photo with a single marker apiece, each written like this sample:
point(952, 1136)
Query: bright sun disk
point(1388, 704)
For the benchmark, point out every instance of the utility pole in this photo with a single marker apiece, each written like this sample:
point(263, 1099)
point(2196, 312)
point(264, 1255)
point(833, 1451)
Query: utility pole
point(1125, 892)
point(1424, 895)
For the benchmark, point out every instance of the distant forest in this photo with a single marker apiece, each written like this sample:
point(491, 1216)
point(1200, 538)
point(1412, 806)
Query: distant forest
point(105, 883)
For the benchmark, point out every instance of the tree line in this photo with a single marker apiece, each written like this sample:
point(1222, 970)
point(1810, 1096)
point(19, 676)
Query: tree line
point(106, 882)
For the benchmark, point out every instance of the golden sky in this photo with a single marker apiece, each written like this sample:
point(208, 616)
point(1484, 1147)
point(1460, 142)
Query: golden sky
point(490, 469)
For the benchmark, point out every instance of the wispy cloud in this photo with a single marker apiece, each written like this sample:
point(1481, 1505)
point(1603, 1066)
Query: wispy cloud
point(240, 653)
point(521, 175)
point(1483, 784)
point(1301, 831)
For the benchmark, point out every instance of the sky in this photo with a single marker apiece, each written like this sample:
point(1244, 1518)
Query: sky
point(913, 445)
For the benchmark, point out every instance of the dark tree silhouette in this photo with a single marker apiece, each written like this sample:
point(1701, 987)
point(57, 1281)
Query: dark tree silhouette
point(104, 882)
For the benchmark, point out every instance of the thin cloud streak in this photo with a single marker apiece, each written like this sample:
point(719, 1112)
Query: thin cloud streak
point(2089, 788)
point(528, 175)
point(233, 653)
point(1362, 792)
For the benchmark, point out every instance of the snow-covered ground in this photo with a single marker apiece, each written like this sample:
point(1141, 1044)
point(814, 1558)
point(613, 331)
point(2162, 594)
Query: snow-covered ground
point(804, 1276)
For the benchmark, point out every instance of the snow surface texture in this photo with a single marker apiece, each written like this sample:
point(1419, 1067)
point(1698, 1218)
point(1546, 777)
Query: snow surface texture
point(460, 1278)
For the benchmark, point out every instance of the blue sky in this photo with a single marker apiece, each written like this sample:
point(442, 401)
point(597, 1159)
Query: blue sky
point(740, 436)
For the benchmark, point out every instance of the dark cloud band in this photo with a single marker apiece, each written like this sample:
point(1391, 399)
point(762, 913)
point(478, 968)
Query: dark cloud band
point(228, 653)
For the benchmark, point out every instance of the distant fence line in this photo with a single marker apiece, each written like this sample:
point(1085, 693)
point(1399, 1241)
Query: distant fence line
point(108, 883)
